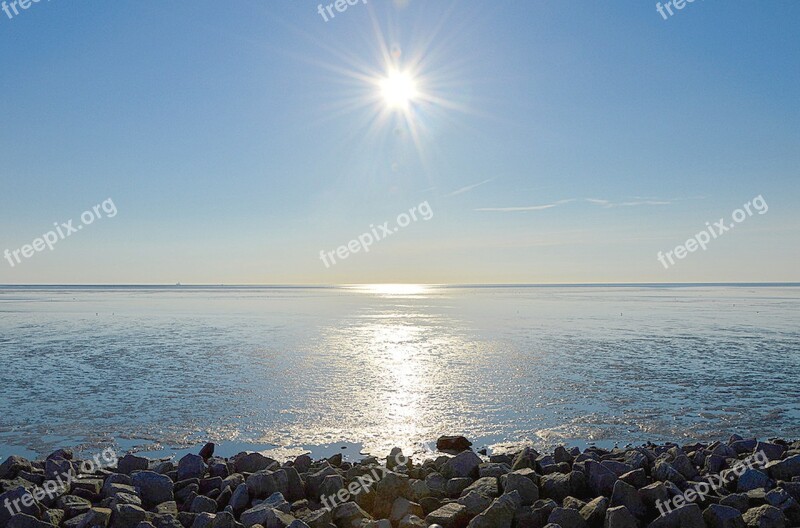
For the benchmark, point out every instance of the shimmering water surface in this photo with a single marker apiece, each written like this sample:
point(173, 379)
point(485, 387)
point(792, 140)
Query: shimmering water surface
point(260, 367)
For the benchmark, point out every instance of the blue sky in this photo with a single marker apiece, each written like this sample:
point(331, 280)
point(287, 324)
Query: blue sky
point(238, 140)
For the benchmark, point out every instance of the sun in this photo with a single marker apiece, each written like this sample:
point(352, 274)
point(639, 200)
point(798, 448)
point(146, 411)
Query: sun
point(398, 89)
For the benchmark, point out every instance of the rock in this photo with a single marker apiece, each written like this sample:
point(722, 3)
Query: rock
point(127, 516)
point(224, 519)
point(664, 471)
point(601, 479)
point(388, 489)
point(297, 523)
point(626, 495)
point(240, 499)
point(295, 489)
point(765, 516)
point(349, 514)
point(191, 466)
point(464, 464)
point(475, 503)
point(486, 486)
point(573, 503)
point(53, 516)
point(456, 486)
point(55, 468)
point(166, 508)
point(620, 517)
point(96, 517)
point(528, 491)
point(785, 469)
point(493, 469)
point(403, 507)
point(73, 505)
point(718, 516)
point(436, 483)
point(166, 521)
point(454, 444)
point(202, 504)
point(130, 463)
point(525, 459)
point(636, 478)
point(452, 515)
point(751, 479)
point(556, 486)
point(302, 463)
point(566, 518)
point(204, 520)
point(594, 513)
point(688, 516)
point(11, 467)
point(411, 521)
point(262, 484)
point(252, 462)
point(499, 514)
point(207, 451)
point(266, 516)
point(153, 488)
point(331, 485)
point(22, 520)
point(739, 501)
point(771, 451)
point(9, 497)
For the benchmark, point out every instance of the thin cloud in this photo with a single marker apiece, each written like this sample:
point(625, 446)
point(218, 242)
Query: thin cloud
point(526, 208)
point(595, 201)
point(470, 187)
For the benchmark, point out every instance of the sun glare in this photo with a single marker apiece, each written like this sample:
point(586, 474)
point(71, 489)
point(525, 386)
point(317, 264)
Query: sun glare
point(398, 89)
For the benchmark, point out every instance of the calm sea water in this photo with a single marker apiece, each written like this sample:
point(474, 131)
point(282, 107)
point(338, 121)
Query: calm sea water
point(368, 368)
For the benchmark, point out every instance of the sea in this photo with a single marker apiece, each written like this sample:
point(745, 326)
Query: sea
point(359, 369)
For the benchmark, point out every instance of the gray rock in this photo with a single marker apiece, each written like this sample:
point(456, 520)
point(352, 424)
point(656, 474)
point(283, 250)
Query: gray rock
point(14, 496)
point(153, 488)
point(752, 479)
point(240, 499)
point(556, 486)
point(349, 514)
point(452, 515)
point(204, 520)
point(465, 464)
point(499, 514)
point(266, 516)
point(22, 520)
point(626, 495)
point(739, 501)
point(786, 469)
point(475, 503)
point(636, 478)
point(252, 462)
point(486, 486)
point(620, 517)
point(127, 516)
point(403, 507)
point(262, 484)
point(96, 517)
point(688, 516)
point(191, 466)
point(456, 486)
point(73, 505)
point(566, 518)
point(493, 469)
point(528, 491)
point(601, 479)
point(718, 516)
point(130, 463)
point(12, 466)
point(203, 504)
point(765, 516)
point(594, 513)
point(525, 459)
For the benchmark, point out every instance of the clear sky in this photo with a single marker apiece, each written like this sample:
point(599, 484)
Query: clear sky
point(556, 141)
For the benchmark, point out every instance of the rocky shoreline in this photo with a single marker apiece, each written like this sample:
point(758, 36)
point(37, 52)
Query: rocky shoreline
point(735, 484)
